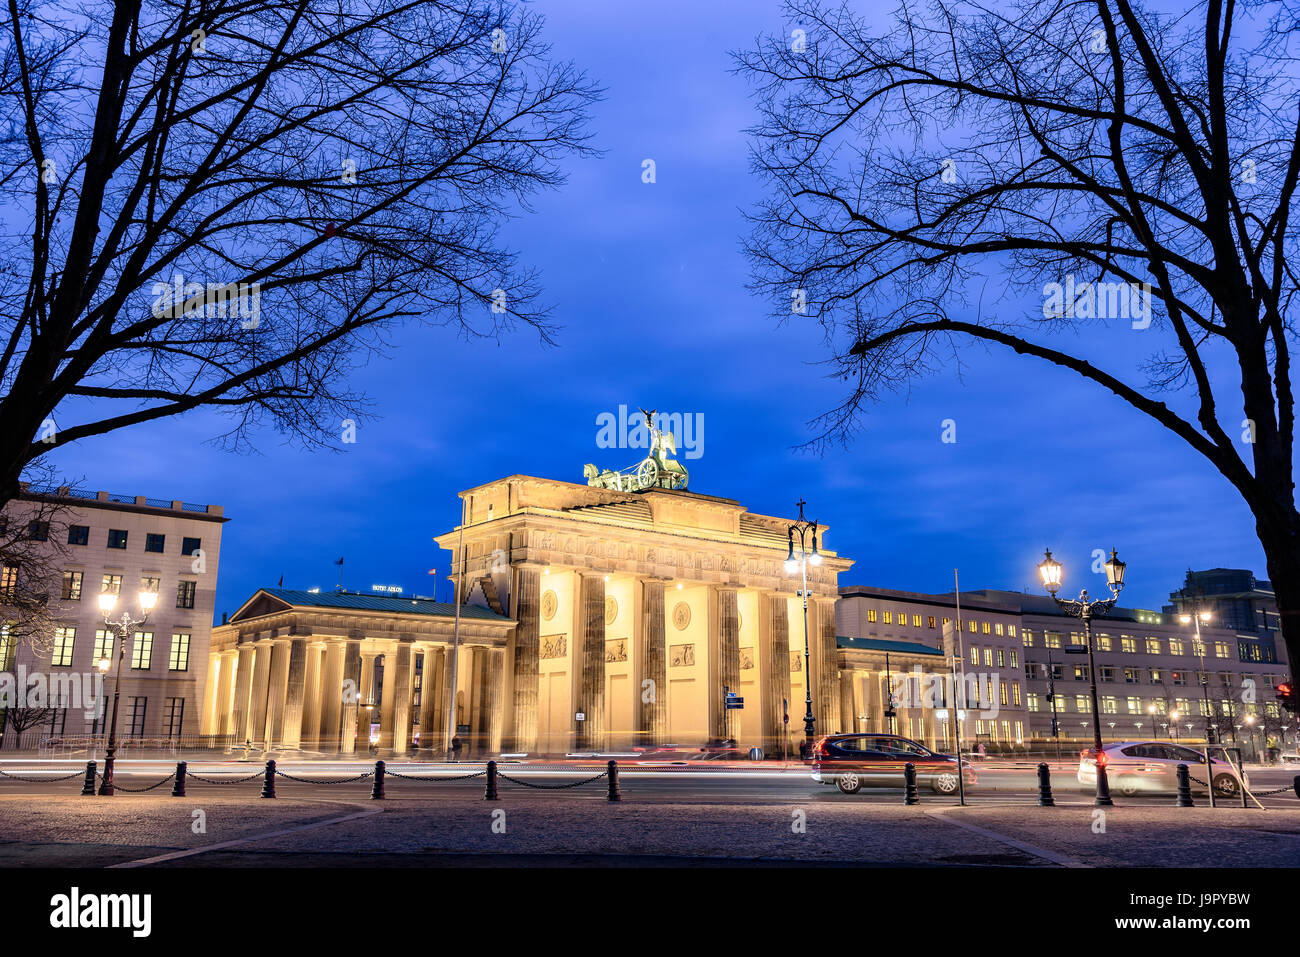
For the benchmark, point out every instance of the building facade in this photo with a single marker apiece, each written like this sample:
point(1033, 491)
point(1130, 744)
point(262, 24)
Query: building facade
point(1156, 678)
point(95, 542)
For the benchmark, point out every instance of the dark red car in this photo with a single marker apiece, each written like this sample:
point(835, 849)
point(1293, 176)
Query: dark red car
point(854, 761)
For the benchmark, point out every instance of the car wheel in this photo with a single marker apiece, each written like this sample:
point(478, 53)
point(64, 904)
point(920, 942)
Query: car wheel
point(1127, 785)
point(944, 784)
point(1225, 785)
point(848, 783)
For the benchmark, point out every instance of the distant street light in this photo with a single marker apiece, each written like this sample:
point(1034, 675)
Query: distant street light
point(123, 626)
point(1083, 608)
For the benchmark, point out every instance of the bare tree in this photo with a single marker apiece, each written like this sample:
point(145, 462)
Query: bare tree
point(226, 203)
point(33, 530)
point(1146, 164)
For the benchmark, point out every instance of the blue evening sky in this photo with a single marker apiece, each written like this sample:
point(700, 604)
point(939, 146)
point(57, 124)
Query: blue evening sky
point(648, 284)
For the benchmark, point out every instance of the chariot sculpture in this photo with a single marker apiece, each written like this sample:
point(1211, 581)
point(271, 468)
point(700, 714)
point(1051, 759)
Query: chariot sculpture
point(656, 470)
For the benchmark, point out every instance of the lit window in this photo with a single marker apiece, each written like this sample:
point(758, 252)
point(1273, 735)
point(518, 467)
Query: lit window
point(1220, 649)
point(1011, 631)
point(889, 618)
point(64, 639)
point(112, 584)
point(871, 616)
point(1082, 704)
point(1128, 645)
point(142, 650)
point(71, 585)
point(1175, 646)
point(916, 621)
point(1153, 646)
point(180, 656)
point(985, 627)
point(930, 621)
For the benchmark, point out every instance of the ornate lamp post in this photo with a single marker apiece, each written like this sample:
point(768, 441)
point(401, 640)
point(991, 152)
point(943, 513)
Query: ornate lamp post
point(1204, 678)
point(121, 628)
point(1082, 608)
point(798, 561)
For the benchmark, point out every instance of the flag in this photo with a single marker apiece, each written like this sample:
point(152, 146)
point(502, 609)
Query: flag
point(281, 585)
point(339, 561)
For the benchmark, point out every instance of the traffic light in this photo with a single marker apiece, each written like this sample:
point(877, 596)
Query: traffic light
point(1286, 695)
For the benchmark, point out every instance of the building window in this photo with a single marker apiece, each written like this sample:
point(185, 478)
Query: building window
point(1015, 658)
point(1104, 643)
point(1015, 693)
point(8, 649)
point(1220, 649)
point(103, 647)
point(1153, 646)
point(1107, 673)
point(984, 627)
point(1027, 638)
point(1109, 705)
point(997, 628)
point(1128, 646)
point(889, 618)
point(78, 534)
point(1002, 658)
point(180, 659)
point(1002, 693)
point(930, 621)
point(38, 531)
point(64, 638)
point(57, 721)
point(1052, 639)
point(185, 594)
point(1134, 705)
point(871, 616)
point(1175, 646)
point(135, 709)
point(974, 655)
point(916, 621)
point(1155, 676)
point(1178, 677)
point(971, 626)
point(117, 538)
point(154, 542)
point(1198, 648)
point(175, 716)
point(190, 545)
point(71, 585)
point(1132, 676)
point(1031, 701)
point(142, 650)
point(112, 584)
point(1082, 704)
point(150, 584)
point(1080, 673)
point(8, 580)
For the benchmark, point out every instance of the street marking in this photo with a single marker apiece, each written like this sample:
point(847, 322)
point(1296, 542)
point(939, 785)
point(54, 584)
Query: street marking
point(173, 855)
point(942, 815)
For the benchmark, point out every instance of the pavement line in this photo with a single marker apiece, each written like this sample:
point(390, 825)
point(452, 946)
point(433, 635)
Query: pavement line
point(942, 814)
point(189, 852)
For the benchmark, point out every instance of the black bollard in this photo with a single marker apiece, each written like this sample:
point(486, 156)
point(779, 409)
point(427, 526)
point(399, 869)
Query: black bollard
point(1045, 786)
point(909, 784)
point(178, 789)
point(490, 794)
point(377, 789)
point(268, 784)
point(614, 793)
point(88, 788)
point(1184, 788)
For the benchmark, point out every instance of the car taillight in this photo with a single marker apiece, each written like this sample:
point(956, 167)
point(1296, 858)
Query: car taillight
point(1102, 759)
point(820, 749)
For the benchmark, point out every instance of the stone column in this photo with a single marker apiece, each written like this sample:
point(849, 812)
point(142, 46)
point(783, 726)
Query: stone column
point(209, 717)
point(526, 598)
point(496, 716)
point(477, 693)
point(296, 689)
point(331, 697)
point(400, 709)
point(591, 637)
point(728, 657)
point(775, 614)
point(312, 698)
point(277, 692)
point(653, 714)
point(243, 691)
point(447, 700)
point(848, 714)
point(828, 673)
point(430, 683)
point(225, 687)
point(352, 681)
point(388, 699)
point(258, 697)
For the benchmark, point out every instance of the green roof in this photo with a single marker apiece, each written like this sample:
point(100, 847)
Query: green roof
point(886, 644)
point(405, 606)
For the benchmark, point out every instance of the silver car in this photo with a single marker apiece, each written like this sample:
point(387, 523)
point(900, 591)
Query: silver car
point(1145, 767)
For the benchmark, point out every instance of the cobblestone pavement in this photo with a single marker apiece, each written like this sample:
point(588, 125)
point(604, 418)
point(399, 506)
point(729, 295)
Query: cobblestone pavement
point(412, 831)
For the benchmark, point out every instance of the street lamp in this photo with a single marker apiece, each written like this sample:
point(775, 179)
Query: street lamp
point(1173, 723)
point(1151, 710)
point(123, 626)
point(1082, 608)
point(799, 562)
point(1202, 616)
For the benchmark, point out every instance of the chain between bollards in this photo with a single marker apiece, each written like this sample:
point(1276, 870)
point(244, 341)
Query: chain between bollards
point(377, 789)
point(909, 784)
point(1045, 786)
point(614, 793)
point(268, 783)
point(88, 788)
point(1184, 788)
point(490, 792)
point(178, 789)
